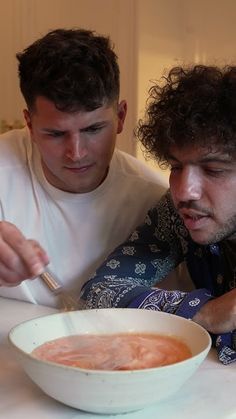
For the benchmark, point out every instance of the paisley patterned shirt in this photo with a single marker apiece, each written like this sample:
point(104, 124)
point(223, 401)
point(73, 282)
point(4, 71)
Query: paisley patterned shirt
point(128, 276)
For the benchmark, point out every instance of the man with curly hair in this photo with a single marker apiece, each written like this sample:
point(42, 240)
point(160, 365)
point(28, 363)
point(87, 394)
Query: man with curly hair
point(190, 126)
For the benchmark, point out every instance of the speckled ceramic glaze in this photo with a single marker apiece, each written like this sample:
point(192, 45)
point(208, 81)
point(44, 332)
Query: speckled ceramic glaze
point(108, 391)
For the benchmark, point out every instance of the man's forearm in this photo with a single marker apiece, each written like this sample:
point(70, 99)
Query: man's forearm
point(218, 315)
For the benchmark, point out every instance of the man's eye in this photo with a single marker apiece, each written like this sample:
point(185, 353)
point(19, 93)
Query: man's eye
point(55, 134)
point(174, 169)
point(94, 129)
point(214, 172)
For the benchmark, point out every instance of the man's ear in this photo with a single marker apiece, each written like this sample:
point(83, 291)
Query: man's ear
point(27, 119)
point(121, 113)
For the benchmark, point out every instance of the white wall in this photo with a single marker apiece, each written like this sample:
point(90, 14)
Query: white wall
point(209, 31)
point(159, 45)
point(173, 32)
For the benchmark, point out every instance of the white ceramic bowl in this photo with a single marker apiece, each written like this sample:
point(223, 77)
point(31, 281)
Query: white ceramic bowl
point(108, 391)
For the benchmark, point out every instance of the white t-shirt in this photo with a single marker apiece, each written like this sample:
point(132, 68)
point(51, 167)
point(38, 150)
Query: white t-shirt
point(77, 230)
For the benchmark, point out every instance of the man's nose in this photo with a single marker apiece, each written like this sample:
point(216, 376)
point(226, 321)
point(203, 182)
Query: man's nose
point(188, 185)
point(76, 148)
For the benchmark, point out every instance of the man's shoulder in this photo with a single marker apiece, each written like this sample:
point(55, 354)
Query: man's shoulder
point(132, 166)
point(14, 134)
point(13, 143)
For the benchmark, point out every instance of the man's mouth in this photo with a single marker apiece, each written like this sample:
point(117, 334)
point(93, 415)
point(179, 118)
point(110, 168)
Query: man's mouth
point(194, 220)
point(79, 169)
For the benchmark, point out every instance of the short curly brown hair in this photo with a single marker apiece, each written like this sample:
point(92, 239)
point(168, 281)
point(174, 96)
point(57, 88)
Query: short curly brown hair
point(194, 106)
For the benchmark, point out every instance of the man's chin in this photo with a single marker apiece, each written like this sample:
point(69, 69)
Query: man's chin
point(201, 238)
point(204, 240)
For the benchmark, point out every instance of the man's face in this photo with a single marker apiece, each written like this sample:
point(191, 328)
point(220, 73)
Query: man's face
point(203, 189)
point(76, 148)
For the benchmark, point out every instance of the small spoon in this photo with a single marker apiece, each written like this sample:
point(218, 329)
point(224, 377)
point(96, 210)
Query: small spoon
point(68, 301)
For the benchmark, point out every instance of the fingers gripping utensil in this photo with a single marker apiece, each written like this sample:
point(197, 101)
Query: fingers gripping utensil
point(68, 301)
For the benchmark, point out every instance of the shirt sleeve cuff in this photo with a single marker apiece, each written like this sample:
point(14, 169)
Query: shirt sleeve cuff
point(192, 303)
point(159, 300)
point(176, 302)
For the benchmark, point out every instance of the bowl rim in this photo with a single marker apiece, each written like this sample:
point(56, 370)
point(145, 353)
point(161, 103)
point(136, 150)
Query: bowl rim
point(102, 371)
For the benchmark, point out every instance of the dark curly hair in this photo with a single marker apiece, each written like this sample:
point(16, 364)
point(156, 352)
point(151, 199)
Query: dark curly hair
point(194, 106)
point(74, 68)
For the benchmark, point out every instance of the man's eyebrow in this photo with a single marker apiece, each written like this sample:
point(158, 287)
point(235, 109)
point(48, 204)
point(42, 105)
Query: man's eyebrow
point(210, 158)
point(218, 159)
point(170, 157)
point(59, 131)
point(52, 130)
point(94, 124)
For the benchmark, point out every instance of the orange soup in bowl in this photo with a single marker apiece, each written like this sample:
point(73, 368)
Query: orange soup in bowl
point(129, 351)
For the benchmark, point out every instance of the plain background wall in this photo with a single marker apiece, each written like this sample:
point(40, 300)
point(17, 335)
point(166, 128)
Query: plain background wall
point(150, 36)
point(175, 32)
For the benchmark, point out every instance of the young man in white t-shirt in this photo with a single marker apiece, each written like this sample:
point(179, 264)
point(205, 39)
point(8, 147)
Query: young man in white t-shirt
point(68, 197)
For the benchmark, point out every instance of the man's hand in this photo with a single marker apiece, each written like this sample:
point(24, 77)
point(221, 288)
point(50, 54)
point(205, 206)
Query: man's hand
point(20, 258)
point(218, 315)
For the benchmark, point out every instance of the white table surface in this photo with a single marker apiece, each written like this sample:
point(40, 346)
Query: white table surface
point(209, 394)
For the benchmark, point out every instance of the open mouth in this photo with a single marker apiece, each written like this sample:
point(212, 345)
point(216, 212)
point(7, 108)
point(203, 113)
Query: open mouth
point(193, 217)
point(194, 221)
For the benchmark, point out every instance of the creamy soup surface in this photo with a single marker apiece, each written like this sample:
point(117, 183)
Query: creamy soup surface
point(128, 351)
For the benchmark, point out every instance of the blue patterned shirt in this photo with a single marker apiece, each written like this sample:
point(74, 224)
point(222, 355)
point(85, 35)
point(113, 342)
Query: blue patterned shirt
point(129, 276)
